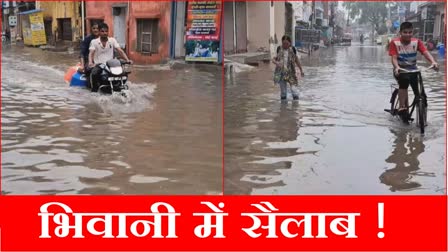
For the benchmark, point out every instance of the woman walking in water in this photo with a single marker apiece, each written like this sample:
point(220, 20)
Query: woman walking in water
point(285, 70)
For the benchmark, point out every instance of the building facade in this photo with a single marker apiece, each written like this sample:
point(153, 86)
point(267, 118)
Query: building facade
point(440, 22)
point(429, 19)
point(254, 26)
point(62, 20)
point(141, 28)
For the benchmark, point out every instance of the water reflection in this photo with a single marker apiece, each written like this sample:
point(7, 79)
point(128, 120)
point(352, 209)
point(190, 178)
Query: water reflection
point(287, 121)
point(405, 159)
point(278, 146)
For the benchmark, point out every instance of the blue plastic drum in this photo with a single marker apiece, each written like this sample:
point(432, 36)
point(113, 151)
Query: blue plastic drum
point(78, 80)
point(441, 51)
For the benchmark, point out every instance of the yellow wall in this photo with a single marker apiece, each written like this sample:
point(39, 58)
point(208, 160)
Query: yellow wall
point(62, 9)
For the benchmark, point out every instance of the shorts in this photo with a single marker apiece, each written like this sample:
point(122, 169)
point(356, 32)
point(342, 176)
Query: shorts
point(404, 79)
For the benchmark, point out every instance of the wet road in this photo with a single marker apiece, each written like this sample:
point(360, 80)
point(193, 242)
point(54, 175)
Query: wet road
point(62, 140)
point(337, 139)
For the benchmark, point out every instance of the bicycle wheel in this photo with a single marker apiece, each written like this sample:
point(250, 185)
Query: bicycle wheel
point(394, 102)
point(422, 112)
point(422, 106)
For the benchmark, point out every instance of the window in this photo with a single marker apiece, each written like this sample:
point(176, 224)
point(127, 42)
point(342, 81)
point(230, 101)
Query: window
point(65, 29)
point(147, 35)
point(429, 26)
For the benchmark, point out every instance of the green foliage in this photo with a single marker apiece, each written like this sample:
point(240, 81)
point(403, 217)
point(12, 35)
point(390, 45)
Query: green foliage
point(374, 13)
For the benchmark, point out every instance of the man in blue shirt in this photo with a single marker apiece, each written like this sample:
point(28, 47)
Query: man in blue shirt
point(85, 44)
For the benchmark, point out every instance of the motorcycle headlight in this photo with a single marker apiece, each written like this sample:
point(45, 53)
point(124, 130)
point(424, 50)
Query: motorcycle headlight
point(116, 70)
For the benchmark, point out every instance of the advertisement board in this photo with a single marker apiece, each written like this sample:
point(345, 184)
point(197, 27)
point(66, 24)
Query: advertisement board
point(33, 28)
point(203, 31)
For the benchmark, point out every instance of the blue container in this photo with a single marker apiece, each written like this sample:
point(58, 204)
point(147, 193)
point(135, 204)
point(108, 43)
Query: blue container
point(442, 51)
point(78, 80)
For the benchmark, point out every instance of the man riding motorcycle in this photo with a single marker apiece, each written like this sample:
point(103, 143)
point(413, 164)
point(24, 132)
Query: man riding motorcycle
point(101, 51)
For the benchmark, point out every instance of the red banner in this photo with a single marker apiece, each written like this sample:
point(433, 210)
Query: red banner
point(313, 223)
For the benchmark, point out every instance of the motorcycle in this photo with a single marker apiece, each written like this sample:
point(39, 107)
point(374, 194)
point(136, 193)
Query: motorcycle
point(112, 77)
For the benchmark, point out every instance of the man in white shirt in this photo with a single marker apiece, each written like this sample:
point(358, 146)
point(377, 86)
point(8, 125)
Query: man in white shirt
point(102, 50)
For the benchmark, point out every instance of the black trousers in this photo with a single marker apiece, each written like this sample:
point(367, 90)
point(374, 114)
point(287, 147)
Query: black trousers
point(406, 79)
point(95, 74)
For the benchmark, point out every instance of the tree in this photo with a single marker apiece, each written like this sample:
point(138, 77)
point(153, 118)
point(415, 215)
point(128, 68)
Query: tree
point(374, 13)
point(352, 9)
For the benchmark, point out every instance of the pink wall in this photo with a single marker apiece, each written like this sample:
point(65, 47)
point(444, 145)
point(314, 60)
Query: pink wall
point(160, 10)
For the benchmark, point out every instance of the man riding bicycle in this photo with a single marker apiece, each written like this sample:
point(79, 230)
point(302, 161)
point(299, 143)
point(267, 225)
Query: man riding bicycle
point(403, 51)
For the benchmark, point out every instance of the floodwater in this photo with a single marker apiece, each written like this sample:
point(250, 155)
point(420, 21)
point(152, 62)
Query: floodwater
point(337, 139)
point(56, 139)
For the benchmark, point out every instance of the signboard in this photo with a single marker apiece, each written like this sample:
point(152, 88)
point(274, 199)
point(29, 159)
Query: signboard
point(203, 31)
point(12, 20)
point(307, 35)
point(34, 29)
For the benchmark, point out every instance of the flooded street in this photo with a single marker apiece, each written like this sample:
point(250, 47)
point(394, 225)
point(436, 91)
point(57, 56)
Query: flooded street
point(62, 140)
point(337, 139)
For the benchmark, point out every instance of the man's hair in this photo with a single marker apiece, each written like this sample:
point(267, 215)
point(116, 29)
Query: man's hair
point(103, 26)
point(406, 25)
point(286, 37)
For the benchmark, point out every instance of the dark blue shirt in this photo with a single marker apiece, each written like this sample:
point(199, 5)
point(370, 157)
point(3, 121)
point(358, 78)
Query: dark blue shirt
point(85, 44)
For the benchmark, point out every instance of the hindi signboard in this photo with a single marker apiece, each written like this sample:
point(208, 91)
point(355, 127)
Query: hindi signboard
point(33, 28)
point(203, 31)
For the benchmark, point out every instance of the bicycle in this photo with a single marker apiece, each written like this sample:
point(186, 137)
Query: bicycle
point(419, 104)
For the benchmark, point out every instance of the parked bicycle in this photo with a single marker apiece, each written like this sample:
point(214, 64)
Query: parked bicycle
point(419, 104)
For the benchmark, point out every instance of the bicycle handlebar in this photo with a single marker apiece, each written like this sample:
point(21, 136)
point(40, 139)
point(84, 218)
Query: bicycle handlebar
point(402, 70)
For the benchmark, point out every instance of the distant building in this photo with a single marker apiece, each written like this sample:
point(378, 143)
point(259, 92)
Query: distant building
point(62, 20)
